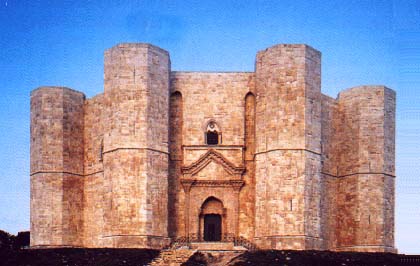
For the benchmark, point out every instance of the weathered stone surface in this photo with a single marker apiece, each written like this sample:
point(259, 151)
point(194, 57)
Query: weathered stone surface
point(57, 167)
point(135, 166)
point(135, 146)
point(366, 169)
point(288, 163)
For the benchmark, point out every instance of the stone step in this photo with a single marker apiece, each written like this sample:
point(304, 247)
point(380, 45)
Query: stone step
point(172, 257)
point(216, 246)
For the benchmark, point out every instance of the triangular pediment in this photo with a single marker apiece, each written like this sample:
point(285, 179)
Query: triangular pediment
point(212, 156)
point(213, 171)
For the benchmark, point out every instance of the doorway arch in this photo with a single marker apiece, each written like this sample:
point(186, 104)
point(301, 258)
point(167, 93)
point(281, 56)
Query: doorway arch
point(212, 220)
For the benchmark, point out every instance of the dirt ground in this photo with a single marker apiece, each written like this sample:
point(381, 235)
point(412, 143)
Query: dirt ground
point(77, 257)
point(139, 257)
point(303, 258)
point(13, 253)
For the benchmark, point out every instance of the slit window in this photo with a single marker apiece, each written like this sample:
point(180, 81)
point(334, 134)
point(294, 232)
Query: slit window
point(101, 151)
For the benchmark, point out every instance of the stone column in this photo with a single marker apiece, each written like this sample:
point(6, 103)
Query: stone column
point(186, 184)
point(236, 186)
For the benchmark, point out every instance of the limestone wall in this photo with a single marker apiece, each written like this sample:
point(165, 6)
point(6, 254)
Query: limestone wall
point(136, 146)
point(56, 167)
point(331, 123)
point(94, 134)
point(94, 186)
point(247, 193)
point(293, 169)
point(365, 194)
point(218, 97)
point(176, 197)
point(288, 138)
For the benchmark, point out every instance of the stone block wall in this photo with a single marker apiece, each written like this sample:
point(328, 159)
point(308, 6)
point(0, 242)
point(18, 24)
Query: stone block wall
point(365, 189)
point(57, 155)
point(135, 149)
point(218, 97)
point(176, 196)
point(247, 193)
point(293, 169)
point(288, 139)
point(331, 122)
point(94, 186)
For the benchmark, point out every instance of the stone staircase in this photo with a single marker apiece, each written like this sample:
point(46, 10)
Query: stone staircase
point(172, 257)
point(216, 253)
point(216, 246)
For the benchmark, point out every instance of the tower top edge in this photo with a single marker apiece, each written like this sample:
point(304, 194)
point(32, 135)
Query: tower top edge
point(290, 46)
point(55, 88)
point(364, 88)
point(126, 45)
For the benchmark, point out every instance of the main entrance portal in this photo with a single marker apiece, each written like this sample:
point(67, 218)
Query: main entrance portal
point(212, 220)
point(212, 227)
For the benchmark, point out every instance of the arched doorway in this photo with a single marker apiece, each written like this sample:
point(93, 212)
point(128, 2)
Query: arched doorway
point(212, 220)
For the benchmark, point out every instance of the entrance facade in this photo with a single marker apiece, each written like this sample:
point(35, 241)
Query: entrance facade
point(212, 227)
point(211, 186)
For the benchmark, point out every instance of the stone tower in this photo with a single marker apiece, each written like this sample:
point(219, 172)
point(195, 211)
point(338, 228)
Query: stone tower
point(257, 157)
point(122, 186)
point(365, 169)
point(288, 148)
point(56, 167)
point(135, 145)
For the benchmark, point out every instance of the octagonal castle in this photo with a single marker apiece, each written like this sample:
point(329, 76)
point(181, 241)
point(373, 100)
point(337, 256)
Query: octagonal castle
point(259, 156)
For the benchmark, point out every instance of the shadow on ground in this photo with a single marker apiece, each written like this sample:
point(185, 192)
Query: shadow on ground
point(12, 254)
point(308, 257)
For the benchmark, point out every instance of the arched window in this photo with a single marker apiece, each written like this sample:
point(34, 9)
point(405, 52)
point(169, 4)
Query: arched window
point(213, 134)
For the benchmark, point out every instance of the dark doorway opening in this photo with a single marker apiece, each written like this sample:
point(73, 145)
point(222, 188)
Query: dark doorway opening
point(212, 227)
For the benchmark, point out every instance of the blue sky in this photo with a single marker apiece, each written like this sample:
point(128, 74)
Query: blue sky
point(62, 43)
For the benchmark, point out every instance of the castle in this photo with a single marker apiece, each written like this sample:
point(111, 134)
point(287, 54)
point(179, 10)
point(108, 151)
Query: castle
point(260, 156)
